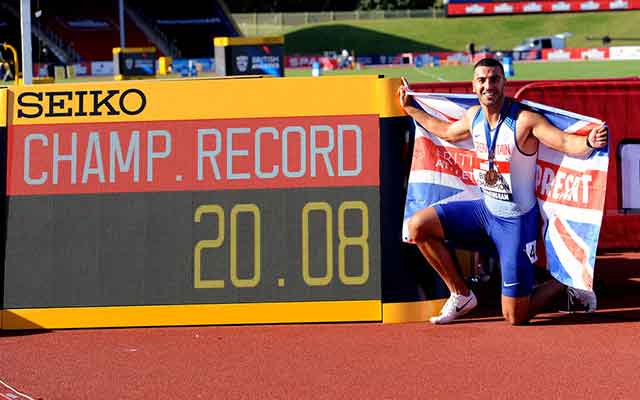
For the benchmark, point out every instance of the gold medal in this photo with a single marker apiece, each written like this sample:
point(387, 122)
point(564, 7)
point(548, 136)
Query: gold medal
point(491, 177)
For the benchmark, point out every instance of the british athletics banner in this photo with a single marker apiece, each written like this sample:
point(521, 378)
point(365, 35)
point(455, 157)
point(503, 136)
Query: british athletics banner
point(570, 191)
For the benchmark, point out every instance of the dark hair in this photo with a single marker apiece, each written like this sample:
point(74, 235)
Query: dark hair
point(489, 62)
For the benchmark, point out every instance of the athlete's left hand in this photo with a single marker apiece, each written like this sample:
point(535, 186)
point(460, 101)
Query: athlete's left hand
point(599, 136)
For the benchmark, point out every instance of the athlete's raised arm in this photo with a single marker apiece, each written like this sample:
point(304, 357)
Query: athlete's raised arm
point(451, 132)
point(571, 144)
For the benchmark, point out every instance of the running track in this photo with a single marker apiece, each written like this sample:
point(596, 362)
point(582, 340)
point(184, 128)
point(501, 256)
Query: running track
point(558, 356)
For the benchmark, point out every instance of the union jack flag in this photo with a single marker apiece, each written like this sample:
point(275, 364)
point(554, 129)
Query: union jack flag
point(570, 191)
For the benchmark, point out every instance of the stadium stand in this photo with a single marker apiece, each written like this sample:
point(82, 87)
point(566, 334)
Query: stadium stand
point(192, 28)
point(47, 47)
point(92, 29)
point(9, 31)
point(76, 30)
point(9, 28)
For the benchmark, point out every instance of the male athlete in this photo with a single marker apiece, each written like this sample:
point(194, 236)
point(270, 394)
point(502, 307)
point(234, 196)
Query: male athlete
point(505, 137)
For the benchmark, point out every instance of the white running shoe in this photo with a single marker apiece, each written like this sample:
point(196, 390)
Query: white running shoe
point(456, 306)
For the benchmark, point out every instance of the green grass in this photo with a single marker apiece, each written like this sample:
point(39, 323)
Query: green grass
point(524, 71)
point(452, 34)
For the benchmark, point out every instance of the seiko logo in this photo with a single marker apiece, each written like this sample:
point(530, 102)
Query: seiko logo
point(81, 103)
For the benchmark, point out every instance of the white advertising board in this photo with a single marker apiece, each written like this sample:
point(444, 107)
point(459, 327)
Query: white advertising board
point(630, 172)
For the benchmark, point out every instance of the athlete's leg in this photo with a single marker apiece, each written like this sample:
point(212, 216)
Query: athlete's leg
point(426, 230)
point(515, 239)
point(429, 228)
point(515, 309)
point(544, 295)
point(519, 310)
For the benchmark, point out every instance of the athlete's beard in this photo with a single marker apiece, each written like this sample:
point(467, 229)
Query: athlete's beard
point(493, 104)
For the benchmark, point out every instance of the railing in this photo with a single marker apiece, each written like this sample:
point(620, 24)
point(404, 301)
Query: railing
point(63, 50)
point(260, 24)
point(151, 30)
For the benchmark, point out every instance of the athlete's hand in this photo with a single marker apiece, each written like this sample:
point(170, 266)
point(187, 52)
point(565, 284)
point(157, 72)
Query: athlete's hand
point(599, 136)
point(405, 99)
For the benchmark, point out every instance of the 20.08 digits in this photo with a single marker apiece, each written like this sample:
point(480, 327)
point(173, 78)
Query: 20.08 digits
point(325, 279)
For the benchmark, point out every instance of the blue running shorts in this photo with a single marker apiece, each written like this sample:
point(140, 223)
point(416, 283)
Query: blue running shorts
point(514, 239)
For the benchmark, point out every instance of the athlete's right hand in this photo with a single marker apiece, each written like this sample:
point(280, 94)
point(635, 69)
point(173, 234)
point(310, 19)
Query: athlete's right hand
point(405, 99)
point(598, 136)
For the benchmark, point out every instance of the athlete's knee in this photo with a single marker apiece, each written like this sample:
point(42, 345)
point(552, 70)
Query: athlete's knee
point(515, 318)
point(516, 309)
point(424, 225)
point(414, 226)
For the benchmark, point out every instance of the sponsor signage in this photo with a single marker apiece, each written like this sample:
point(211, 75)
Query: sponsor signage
point(624, 53)
point(557, 55)
point(528, 55)
point(560, 6)
point(250, 56)
point(100, 68)
point(134, 62)
point(599, 53)
point(302, 61)
point(532, 7)
point(619, 5)
point(251, 60)
point(82, 68)
point(503, 8)
point(589, 6)
point(187, 66)
point(474, 7)
point(40, 70)
point(593, 54)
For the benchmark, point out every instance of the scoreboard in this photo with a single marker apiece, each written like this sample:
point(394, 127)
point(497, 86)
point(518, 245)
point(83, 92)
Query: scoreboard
point(193, 202)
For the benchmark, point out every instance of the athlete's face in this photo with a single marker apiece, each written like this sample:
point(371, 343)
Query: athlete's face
point(488, 85)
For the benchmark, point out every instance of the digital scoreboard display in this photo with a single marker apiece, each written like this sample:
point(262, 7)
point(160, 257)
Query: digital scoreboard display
point(137, 194)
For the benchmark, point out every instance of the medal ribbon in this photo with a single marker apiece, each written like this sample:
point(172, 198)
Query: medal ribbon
point(491, 143)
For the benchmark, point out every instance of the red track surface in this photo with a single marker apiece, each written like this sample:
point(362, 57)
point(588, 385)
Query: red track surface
point(482, 357)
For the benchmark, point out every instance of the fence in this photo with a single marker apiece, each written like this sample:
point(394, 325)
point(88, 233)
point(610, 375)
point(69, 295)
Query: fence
point(260, 24)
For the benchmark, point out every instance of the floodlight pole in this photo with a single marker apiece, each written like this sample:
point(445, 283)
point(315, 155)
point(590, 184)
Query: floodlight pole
point(121, 18)
point(25, 31)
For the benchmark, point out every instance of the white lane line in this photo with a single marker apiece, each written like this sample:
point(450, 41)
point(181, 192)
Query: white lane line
point(11, 396)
